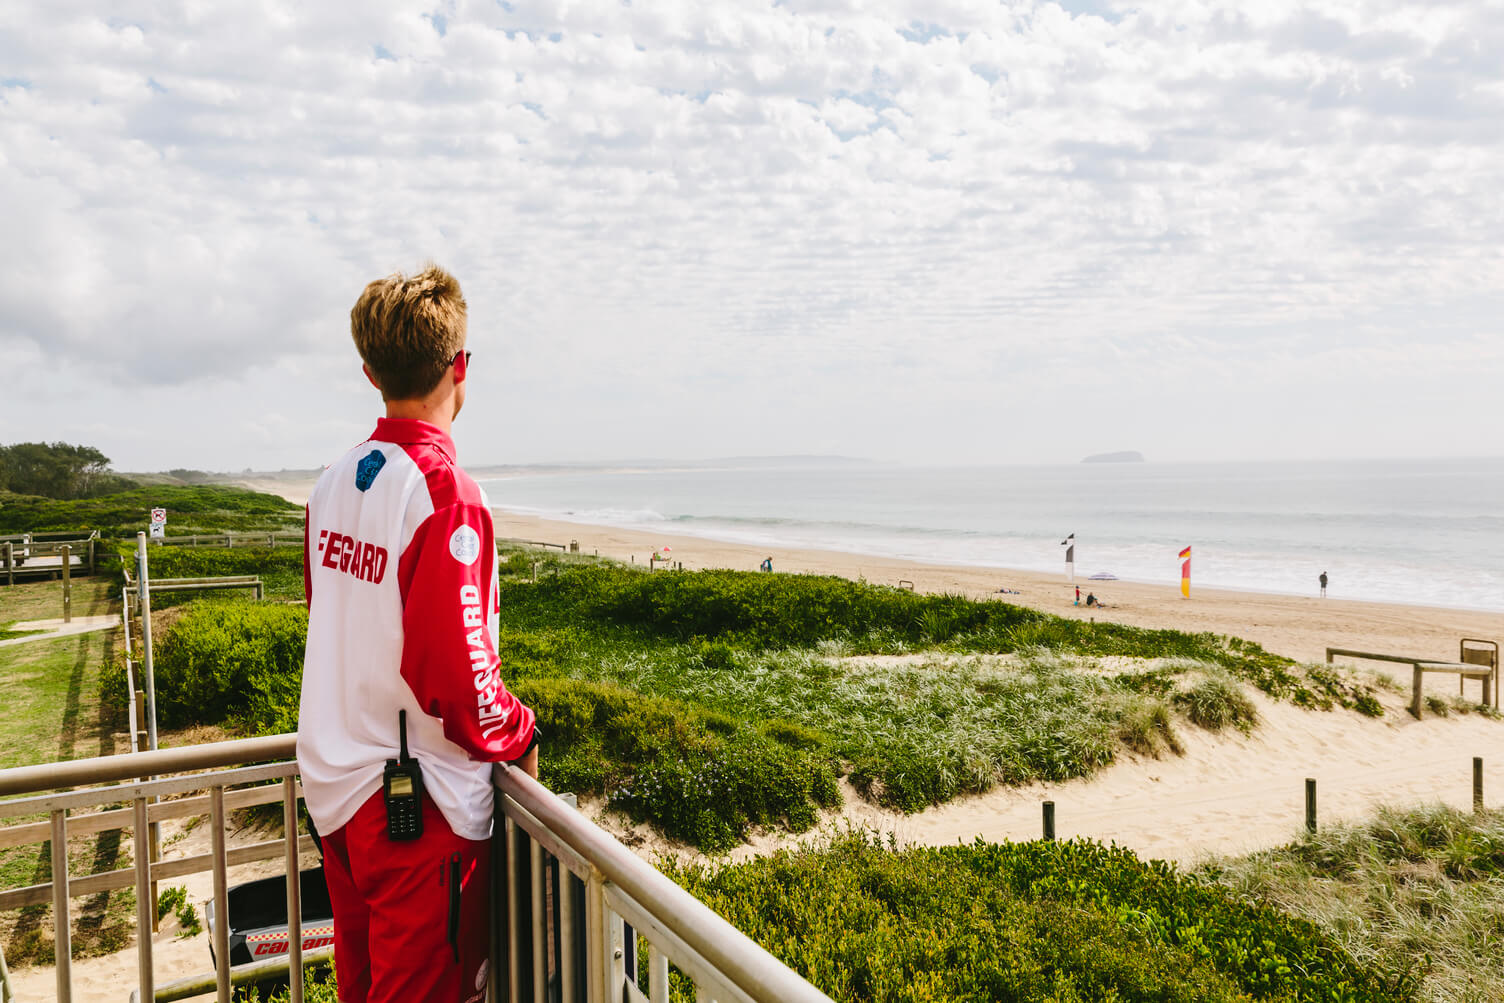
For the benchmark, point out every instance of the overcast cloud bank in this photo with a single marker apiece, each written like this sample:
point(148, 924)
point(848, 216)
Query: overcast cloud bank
point(942, 231)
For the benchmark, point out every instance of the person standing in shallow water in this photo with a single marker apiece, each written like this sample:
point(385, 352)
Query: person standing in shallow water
point(1322, 579)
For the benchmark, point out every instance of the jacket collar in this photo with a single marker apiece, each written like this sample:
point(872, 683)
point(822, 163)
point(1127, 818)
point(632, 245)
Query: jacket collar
point(412, 432)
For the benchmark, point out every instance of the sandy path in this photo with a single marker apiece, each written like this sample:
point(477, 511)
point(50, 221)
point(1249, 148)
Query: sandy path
point(55, 628)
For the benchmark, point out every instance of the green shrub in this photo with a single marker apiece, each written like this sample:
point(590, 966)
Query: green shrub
point(174, 901)
point(1024, 921)
point(199, 508)
point(759, 612)
point(280, 569)
point(232, 660)
point(1216, 703)
point(701, 778)
point(1146, 726)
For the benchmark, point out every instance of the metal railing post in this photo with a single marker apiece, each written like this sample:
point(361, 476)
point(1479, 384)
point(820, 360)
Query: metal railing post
point(514, 926)
point(62, 950)
point(221, 893)
point(657, 975)
point(540, 940)
point(597, 942)
point(146, 909)
point(496, 942)
point(143, 577)
point(6, 995)
point(568, 937)
point(294, 891)
point(143, 582)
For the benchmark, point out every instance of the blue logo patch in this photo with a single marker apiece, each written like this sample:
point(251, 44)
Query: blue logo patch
point(367, 469)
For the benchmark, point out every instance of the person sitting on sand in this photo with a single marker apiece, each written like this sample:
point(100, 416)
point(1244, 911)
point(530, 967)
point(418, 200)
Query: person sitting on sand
point(1091, 600)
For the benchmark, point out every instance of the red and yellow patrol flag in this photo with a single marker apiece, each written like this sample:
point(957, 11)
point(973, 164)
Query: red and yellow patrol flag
point(1185, 573)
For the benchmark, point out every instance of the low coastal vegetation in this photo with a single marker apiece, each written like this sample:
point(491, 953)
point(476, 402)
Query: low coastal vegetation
point(202, 508)
point(1425, 884)
point(1040, 922)
point(707, 703)
point(1407, 905)
point(710, 703)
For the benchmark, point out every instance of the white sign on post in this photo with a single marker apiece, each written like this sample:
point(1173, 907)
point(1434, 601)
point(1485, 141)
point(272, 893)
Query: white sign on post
point(158, 523)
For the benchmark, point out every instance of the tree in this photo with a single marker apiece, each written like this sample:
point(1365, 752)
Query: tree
point(56, 470)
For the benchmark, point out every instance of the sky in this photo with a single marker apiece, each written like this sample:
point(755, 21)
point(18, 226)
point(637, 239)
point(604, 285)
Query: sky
point(940, 232)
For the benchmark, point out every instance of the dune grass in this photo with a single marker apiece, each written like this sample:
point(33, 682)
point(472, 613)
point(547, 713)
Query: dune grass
point(1424, 884)
point(737, 672)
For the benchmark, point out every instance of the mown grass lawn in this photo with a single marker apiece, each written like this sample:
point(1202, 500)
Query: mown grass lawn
point(50, 711)
point(44, 601)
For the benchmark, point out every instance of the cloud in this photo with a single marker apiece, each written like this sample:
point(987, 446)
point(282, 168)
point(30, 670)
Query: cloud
point(914, 201)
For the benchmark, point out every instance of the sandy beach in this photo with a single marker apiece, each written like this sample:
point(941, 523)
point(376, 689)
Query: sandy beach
point(1228, 793)
point(1301, 627)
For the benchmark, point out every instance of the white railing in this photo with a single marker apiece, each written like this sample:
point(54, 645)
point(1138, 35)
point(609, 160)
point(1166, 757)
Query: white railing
point(568, 900)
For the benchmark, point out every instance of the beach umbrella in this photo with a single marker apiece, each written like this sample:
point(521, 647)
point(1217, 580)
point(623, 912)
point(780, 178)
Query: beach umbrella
point(1104, 576)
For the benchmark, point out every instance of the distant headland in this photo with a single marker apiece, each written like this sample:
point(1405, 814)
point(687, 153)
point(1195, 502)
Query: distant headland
point(1125, 456)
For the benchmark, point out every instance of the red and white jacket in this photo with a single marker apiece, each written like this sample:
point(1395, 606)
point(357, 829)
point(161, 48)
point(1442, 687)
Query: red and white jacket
point(399, 563)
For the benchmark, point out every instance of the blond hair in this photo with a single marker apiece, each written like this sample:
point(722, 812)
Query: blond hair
point(408, 330)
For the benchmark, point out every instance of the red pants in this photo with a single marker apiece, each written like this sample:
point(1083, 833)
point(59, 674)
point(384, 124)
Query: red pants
point(392, 910)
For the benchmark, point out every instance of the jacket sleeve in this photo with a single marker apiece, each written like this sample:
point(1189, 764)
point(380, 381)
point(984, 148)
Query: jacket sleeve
point(449, 658)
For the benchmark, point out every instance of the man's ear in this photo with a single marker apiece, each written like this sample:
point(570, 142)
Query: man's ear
point(367, 370)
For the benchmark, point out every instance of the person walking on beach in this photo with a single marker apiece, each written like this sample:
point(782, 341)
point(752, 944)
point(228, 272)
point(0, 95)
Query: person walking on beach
point(766, 565)
point(403, 711)
point(1078, 596)
point(1322, 580)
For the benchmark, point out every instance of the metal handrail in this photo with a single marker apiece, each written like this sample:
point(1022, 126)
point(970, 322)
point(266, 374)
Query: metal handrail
point(103, 769)
point(39, 786)
point(620, 895)
point(688, 932)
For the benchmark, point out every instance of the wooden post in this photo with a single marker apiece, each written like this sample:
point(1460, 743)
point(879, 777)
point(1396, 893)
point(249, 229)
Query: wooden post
point(10, 563)
point(1310, 804)
point(67, 553)
point(1415, 686)
point(1049, 820)
point(92, 541)
point(140, 741)
point(1478, 784)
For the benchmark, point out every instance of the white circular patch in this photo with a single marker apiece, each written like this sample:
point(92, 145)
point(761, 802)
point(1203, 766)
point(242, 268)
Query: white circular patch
point(464, 544)
point(480, 976)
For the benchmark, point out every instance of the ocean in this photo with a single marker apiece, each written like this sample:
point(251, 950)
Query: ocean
point(1420, 531)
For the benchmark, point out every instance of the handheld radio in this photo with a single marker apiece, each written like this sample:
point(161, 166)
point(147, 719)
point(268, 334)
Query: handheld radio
point(402, 788)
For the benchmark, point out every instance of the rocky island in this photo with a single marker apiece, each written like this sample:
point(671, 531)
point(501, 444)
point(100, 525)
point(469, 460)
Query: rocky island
point(1126, 456)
